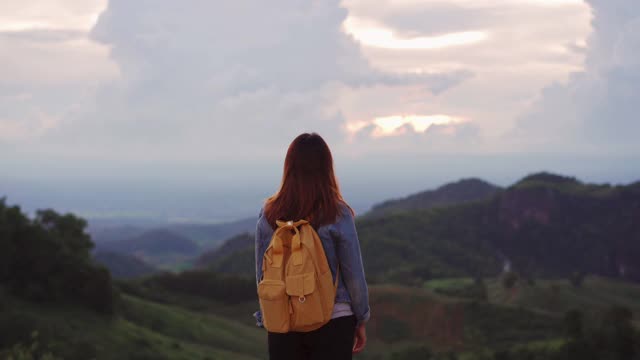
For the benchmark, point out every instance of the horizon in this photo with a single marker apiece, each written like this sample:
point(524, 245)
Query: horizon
point(104, 114)
point(194, 203)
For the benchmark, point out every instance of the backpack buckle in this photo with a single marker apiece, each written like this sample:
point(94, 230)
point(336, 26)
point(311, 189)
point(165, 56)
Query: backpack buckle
point(302, 299)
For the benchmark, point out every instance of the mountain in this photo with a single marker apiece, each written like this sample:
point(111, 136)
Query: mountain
point(460, 192)
point(234, 256)
point(544, 225)
point(158, 247)
point(123, 266)
point(153, 242)
point(209, 236)
point(205, 235)
point(171, 246)
point(106, 234)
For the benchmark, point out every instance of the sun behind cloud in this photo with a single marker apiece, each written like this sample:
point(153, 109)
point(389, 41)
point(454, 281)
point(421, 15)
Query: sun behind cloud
point(377, 35)
point(395, 125)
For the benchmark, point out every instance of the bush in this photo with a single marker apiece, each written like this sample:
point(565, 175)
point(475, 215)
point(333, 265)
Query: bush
point(30, 351)
point(509, 279)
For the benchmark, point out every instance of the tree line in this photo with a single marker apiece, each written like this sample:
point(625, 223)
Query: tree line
point(47, 259)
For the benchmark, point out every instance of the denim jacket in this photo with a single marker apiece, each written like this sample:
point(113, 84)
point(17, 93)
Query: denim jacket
point(341, 246)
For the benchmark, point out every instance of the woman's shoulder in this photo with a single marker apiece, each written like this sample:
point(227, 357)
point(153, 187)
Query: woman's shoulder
point(263, 222)
point(345, 215)
point(346, 212)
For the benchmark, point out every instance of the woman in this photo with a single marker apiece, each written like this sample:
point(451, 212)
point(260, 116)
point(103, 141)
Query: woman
point(309, 190)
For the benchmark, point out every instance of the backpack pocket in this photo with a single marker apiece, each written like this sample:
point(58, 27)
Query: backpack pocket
point(274, 304)
point(305, 300)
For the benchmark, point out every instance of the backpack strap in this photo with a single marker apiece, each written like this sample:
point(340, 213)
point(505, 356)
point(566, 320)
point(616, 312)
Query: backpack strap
point(282, 232)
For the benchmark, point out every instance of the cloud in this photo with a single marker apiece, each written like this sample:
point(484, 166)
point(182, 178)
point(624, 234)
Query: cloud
point(596, 110)
point(48, 68)
point(49, 15)
point(525, 46)
point(156, 81)
point(197, 81)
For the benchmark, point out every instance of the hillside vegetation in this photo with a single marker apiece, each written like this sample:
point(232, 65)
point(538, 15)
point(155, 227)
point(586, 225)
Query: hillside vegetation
point(235, 256)
point(168, 247)
point(140, 330)
point(456, 193)
point(46, 259)
point(543, 226)
point(546, 269)
point(159, 247)
point(52, 294)
point(123, 265)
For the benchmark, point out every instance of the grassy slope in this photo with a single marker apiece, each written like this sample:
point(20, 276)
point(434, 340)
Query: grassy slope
point(559, 296)
point(525, 317)
point(528, 316)
point(405, 316)
point(144, 330)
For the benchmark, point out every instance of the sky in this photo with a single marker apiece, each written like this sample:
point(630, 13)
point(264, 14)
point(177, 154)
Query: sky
point(102, 102)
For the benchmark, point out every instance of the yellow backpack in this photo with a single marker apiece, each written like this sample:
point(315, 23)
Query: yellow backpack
point(296, 292)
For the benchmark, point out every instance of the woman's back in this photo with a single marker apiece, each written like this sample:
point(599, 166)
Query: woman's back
point(341, 246)
point(309, 191)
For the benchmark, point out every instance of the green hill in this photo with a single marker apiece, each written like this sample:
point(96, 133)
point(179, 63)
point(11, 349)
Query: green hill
point(207, 236)
point(234, 256)
point(141, 330)
point(543, 226)
point(460, 192)
point(158, 247)
point(595, 294)
point(210, 236)
point(123, 265)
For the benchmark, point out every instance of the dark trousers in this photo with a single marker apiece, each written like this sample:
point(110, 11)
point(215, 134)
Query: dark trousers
point(332, 341)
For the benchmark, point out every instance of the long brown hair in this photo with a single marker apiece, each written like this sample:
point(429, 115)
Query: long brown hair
point(309, 189)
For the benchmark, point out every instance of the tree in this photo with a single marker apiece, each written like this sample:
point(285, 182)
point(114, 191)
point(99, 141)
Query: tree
point(509, 279)
point(47, 259)
point(67, 230)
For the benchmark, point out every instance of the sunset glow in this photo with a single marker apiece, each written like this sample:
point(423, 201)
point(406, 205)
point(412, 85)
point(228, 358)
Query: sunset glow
point(396, 124)
point(47, 16)
point(379, 36)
